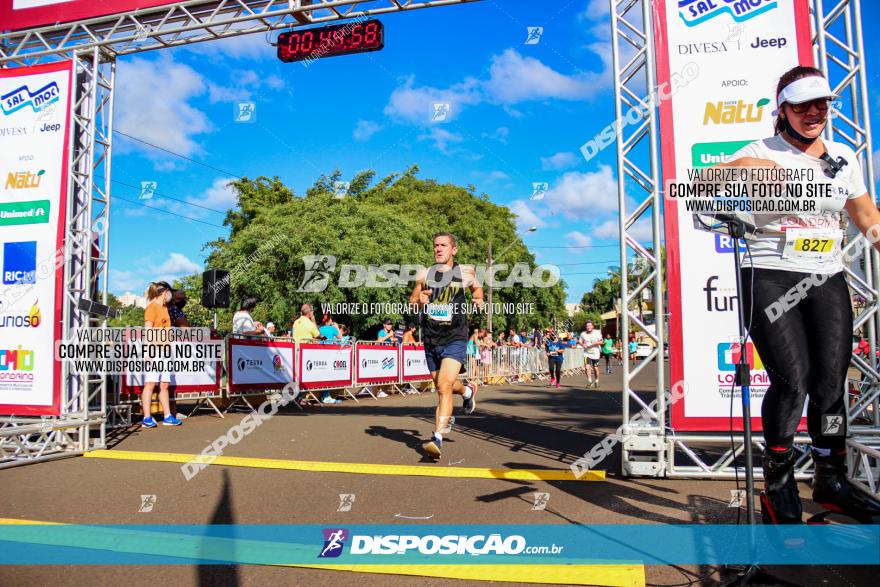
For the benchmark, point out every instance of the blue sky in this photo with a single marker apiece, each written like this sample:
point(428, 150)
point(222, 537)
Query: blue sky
point(519, 114)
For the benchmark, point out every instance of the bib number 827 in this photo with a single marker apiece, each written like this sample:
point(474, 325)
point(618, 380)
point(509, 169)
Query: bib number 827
point(814, 245)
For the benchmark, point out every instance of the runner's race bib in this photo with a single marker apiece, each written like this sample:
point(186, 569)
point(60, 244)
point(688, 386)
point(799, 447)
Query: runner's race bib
point(439, 312)
point(814, 244)
point(593, 353)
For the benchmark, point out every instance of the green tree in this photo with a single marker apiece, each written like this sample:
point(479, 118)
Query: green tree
point(391, 222)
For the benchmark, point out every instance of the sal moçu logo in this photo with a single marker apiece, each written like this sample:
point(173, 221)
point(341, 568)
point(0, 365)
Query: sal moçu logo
point(22, 97)
point(334, 542)
point(695, 12)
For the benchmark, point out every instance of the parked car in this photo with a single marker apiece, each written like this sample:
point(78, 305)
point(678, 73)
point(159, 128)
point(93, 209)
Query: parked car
point(643, 350)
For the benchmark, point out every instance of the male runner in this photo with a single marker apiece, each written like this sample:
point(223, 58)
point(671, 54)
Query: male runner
point(591, 340)
point(439, 295)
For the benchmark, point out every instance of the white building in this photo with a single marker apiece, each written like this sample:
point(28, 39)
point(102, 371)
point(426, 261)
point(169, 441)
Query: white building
point(572, 309)
point(130, 299)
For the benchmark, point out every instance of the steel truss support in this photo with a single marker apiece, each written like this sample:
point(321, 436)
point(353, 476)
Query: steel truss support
point(82, 424)
point(638, 181)
point(190, 21)
point(653, 449)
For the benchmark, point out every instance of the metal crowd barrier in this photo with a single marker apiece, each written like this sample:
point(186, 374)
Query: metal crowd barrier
point(261, 366)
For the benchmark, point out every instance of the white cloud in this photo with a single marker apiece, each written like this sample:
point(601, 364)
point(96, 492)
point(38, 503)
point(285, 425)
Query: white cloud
point(497, 176)
point(244, 85)
point(561, 160)
point(127, 281)
point(152, 103)
point(249, 47)
point(596, 9)
point(220, 196)
point(514, 79)
point(177, 265)
point(416, 104)
point(579, 239)
point(610, 229)
point(584, 195)
point(500, 134)
point(441, 138)
point(525, 216)
point(364, 129)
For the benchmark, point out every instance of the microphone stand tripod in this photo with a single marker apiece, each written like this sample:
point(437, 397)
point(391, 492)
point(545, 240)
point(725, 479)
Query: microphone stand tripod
point(752, 572)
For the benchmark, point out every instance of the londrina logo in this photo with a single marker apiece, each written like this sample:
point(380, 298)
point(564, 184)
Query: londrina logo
point(728, 356)
point(388, 363)
point(20, 263)
point(16, 360)
point(734, 112)
point(22, 97)
point(695, 12)
point(334, 542)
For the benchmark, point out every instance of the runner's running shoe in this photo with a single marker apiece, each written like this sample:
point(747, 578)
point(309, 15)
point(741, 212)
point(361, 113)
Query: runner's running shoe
point(470, 404)
point(171, 421)
point(432, 447)
point(149, 422)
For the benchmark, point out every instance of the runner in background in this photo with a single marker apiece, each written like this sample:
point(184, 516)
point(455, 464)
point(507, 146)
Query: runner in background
point(440, 297)
point(608, 351)
point(591, 340)
point(555, 350)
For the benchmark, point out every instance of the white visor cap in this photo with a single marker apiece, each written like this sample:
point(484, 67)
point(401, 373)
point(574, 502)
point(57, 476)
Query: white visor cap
point(803, 90)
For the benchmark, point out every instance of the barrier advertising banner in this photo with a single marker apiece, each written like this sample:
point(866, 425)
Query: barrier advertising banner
point(34, 113)
point(413, 363)
point(377, 363)
point(718, 64)
point(324, 365)
point(22, 14)
point(259, 364)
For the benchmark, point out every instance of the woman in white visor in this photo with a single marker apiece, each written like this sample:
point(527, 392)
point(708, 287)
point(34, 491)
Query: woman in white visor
point(805, 346)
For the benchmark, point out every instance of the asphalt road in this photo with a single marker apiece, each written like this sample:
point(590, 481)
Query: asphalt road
point(515, 426)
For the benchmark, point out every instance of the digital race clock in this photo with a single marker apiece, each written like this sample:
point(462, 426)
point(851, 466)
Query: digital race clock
point(328, 41)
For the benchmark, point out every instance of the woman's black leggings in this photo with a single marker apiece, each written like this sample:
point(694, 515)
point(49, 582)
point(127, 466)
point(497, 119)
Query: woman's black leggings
point(806, 349)
point(555, 368)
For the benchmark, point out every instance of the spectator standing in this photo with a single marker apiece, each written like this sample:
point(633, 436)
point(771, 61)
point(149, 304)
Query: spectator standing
point(242, 321)
point(386, 333)
point(270, 330)
point(175, 309)
point(156, 316)
point(304, 327)
point(409, 335)
point(329, 330)
point(398, 333)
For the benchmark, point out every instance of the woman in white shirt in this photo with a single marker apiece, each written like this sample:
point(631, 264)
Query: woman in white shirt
point(805, 346)
point(242, 321)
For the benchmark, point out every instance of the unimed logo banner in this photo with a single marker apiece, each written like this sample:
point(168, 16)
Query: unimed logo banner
point(740, 49)
point(34, 110)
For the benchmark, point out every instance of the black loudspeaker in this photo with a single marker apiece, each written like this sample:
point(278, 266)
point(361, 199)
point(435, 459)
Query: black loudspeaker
point(215, 288)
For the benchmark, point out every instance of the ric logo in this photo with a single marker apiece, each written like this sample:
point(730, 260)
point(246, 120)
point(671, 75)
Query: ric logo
point(696, 12)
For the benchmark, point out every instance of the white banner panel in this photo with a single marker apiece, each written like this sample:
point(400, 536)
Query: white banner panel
point(377, 363)
point(324, 365)
point(720, 61)
point(34, 108)
point(414, 363)
point(259, 364)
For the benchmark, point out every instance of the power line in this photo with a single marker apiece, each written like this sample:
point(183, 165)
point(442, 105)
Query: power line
point(167, 211)
point(177, 154)
point(188, 203)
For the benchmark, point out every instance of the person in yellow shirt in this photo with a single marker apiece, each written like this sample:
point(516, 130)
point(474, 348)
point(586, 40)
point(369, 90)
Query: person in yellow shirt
point(304, 327)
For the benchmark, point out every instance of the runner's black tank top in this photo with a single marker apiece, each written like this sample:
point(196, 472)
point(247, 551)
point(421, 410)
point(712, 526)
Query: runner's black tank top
point(445, 318)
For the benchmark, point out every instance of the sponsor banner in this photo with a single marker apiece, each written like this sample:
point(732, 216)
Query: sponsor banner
point(413, 363)
point(34, 129)
point(741, 49)
point(627, 545)
point(206, 382)
point(377, 363)
point(259, 364)
point(22, 14)
point(324, 365)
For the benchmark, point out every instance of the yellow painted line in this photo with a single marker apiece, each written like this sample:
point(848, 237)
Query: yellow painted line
point(356, 468)
point(611, 575)
point(605, 575)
